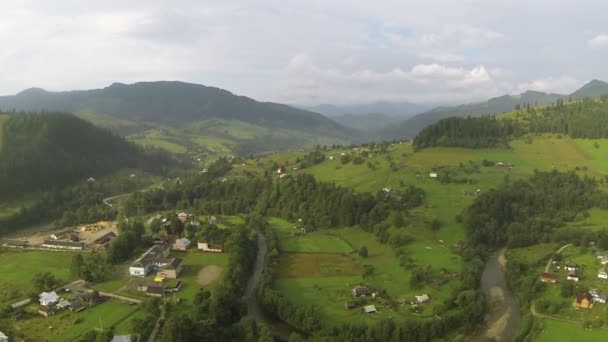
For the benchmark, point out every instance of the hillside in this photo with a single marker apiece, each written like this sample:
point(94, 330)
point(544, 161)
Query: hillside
point(409, 128)
point(365, 122)
point(40, 152)
point(395, 109)
point(173, 103)
point(595, 88)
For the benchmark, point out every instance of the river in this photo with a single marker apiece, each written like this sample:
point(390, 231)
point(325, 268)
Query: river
point(277, 327)
point(504, 314)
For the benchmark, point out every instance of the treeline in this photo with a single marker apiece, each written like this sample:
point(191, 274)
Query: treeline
point(581, 119)
point(470, 132)
point(44, 151)
point(526, 212)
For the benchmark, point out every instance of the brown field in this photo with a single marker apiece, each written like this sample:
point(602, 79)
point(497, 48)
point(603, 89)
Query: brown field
point(209, 274)
point(317, 265)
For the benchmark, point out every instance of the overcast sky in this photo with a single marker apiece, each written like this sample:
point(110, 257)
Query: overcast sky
point(309, 52)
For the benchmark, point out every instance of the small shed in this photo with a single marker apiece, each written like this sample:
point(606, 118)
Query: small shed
point(369, 309)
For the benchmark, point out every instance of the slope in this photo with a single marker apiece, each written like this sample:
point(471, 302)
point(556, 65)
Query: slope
point(594, 88)
point(394, 109)
point(40, 152)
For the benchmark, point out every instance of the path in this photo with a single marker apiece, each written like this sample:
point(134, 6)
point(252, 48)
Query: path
point(161, 318)
point(558, 252)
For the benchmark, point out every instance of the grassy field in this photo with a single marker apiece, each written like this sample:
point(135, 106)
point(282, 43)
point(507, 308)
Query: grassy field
point(194, 261)
point(321, 241)
point(554, 331)
point(19, 267)
point(69, 326)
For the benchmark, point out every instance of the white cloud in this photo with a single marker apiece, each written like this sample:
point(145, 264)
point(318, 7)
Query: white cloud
point(560, 85)
point(598, 41)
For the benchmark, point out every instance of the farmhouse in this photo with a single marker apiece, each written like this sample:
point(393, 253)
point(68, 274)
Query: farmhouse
point(547, 277)
point(181, 244)
point(63, 303)
point(210, 247)
point(3, 337)
point(76, 306)
point(183, 217)
point(570, 267)
point(602, 274)
point(360, 291)
point(14, 243)
point(152, 258)
point(64, 234)
point(370, 309)
point(422, 298)
point(46, 311)
point(584, 301)
point(172, 270)
point(121, 338)
point(48, 298)
point(573, 277)
point(55, 244)
point(433, 174)
point(598, 296)
point(602, 257)
point(155, 291)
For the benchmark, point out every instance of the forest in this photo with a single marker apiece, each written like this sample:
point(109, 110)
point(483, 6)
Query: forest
point(470, 132)
point(51, 150)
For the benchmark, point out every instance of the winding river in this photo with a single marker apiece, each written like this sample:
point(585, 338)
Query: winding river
point(277, 327)
point(504, 314)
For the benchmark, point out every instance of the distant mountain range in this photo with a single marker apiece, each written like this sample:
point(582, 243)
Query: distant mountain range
point(173, 103)
point(393, 109)
point(410, 127)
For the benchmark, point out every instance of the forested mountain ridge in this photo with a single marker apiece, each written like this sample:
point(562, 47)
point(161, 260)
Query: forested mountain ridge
point(45, 151)
point(174, 103)
point(410, 127)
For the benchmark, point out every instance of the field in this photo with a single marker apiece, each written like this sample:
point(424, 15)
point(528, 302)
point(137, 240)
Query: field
point(19, 267)
point(554, 331)
point(68, 326)
point(325, 279)
point(320, 241)
point(3, 119)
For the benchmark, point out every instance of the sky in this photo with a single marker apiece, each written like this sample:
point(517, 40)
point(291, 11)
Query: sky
point(308, 52)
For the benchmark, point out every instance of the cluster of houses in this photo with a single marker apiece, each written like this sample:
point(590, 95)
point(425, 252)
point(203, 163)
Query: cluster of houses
point(587, 299)
point(363, 291)
point(50, 302)
point(65, 239)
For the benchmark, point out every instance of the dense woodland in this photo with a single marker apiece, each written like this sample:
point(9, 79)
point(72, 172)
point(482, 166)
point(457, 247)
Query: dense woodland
point(471, 132)
point(579, 119)
point(45, 151)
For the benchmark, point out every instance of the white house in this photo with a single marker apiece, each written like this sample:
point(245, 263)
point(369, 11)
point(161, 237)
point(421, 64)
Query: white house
point(3, 337)
point(181, 244)
point(48, 298)
point(433, 174)
point(573, 277)
point(602, 274)
point(423, 298)
point(210, 247)
point(152, 259)
point(370, 309)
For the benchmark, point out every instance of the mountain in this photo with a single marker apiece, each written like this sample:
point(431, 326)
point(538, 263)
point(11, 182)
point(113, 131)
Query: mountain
point(44, 151)
point(595, 88)
point(171, 102)
point(410, 127)
point(365, 122)
point(394, 109)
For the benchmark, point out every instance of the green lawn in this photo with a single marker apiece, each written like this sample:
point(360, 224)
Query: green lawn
point(321, 241)
point(555, 331)
point(68, 326)
point(19, 267)
point(194, 261)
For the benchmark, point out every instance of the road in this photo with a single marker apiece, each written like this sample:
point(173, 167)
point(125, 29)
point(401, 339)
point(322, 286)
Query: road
point(548, 266)
point(161, 317)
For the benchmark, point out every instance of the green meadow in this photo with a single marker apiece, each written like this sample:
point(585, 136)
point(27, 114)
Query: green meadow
point(557, 331)
point(320, 241)
point(19, 267)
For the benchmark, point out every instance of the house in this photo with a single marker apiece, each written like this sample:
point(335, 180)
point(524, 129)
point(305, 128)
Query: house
point(63, 303)
point(602, 274)
point(55, 244)
point(210, 247)
point(76, 306)
point(183, 217)
point(602, 257)
point(433, 174)
point(349, 304)
point(584, 301)
point(60, 235)
point(181, 244)
point(547, 277)
point(152, 259)
point(3, 337)
point(195, 224)
point(48, 298)
point(171, 270)
point(46, 311)
point(369, 309)
point(422, 299)
point(104, 239)
point(212, 220)
point(155, 290)
point(14, 243)
point(570, 267)
point(361, 291)
point(91, 180)
point(121, 338)
point(573, 277)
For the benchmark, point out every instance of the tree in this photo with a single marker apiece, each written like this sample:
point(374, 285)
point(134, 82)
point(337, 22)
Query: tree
point(77, 265)
point(363, 251)
point(44, 281)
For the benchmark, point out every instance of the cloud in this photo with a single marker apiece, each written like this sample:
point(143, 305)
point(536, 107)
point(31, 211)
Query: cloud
point(599, 41)
point(560, 85)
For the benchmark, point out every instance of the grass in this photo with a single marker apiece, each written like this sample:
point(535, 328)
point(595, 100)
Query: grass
point(68, 326)
point(320, 241)
point(3, 119)
point(19, 267)
point(554, 331)
point(194, 261)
